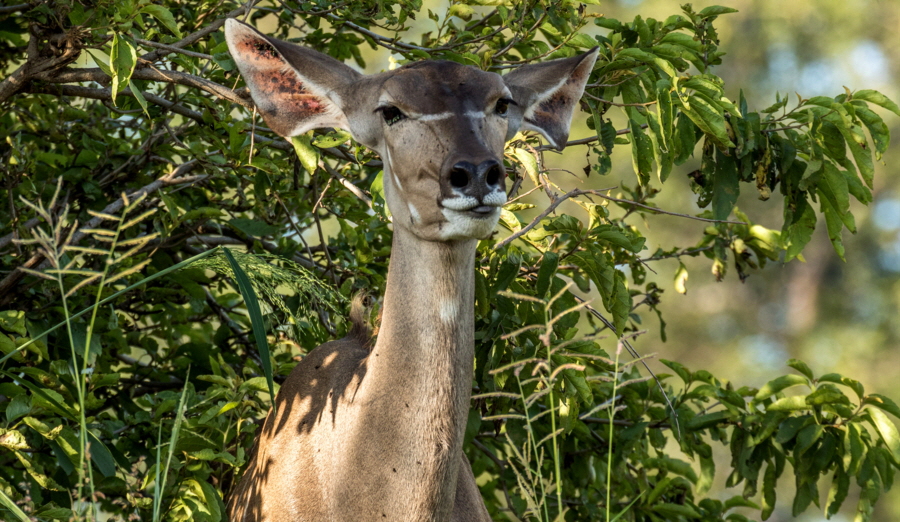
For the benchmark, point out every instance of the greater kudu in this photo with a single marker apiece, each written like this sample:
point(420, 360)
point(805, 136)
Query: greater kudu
point(375, 434)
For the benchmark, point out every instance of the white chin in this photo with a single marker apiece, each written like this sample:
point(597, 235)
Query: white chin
point(463, 225)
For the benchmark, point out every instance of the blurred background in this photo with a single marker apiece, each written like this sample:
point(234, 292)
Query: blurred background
point(836, 316)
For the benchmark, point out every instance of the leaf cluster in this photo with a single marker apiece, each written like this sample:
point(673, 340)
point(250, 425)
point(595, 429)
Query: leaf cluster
point(133, 376)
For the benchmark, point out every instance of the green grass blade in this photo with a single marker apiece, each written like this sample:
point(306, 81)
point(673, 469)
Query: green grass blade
point(157, 275)
point(12, 507)
point(176, 429)
point(256, 319)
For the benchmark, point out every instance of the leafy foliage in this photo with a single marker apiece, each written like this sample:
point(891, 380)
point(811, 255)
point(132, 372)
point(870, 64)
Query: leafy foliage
point(127, 155)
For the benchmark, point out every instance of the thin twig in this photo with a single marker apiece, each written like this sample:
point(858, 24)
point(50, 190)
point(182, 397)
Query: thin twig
point(152, 56)
point(106, 94)
point(173, 49)
point(661, 211)
point(347, 184)
point(535, 221)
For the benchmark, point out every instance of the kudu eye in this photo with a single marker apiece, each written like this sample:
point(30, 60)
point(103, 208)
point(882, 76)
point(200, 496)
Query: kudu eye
point(502, 107)
point(391, 114)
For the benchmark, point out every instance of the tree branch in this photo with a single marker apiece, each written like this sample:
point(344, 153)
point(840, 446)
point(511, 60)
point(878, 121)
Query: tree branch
point(173, 49)
point(13, 8)
point(177, 77)
point(106, 94)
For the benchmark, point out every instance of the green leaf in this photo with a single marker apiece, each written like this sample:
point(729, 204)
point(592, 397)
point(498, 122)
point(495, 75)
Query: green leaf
point(789, 404)
point(139, 96)
point(332, 139)
point(17, 407)
point(881, 134)
point(13, 508)
point(309, 155)
point(799, 233)
point(708, 116)
point(834, 185)
point(840, 485)
point(776, 385)
point(716, 10)
point(707, 475)
point(164, 16)
point(679, 369)
point(614, 235)
point(833, 223)
point(862, 156)
point(826, 394)
point(707, 420)
point(13, 321)
point(887, 430)
point(885, 403)
point(857, 448)
point(768, 496)
point(676, 511)
point(877, 98)
point(122, 59)
point(650, 59)
point(529, 162)
point(726, 186)
point(256, 320)
point(681, 277)
point(101, 456)
point(546, 273)
point(807, 437)
point(641, 152)
point(254, 227)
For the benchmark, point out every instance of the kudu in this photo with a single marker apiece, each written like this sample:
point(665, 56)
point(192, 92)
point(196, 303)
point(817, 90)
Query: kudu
point(366, 434)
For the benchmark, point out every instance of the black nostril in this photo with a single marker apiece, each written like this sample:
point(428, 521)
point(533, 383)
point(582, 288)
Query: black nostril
point(461, 174)
point(493, 175)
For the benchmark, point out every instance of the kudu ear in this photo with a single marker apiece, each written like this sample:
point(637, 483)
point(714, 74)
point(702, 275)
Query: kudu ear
point(547, 93)
point(293, 87)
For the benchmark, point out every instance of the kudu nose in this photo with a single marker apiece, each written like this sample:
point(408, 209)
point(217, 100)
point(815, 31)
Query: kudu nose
point(464, 173)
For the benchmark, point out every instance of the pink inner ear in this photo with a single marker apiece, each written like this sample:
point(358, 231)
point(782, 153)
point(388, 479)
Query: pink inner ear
point(283, 101)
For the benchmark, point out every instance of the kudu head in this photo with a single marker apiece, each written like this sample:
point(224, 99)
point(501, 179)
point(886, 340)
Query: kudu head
point(439, 126)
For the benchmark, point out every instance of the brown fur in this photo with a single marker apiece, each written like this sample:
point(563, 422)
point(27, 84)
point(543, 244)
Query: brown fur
point(374, 431)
